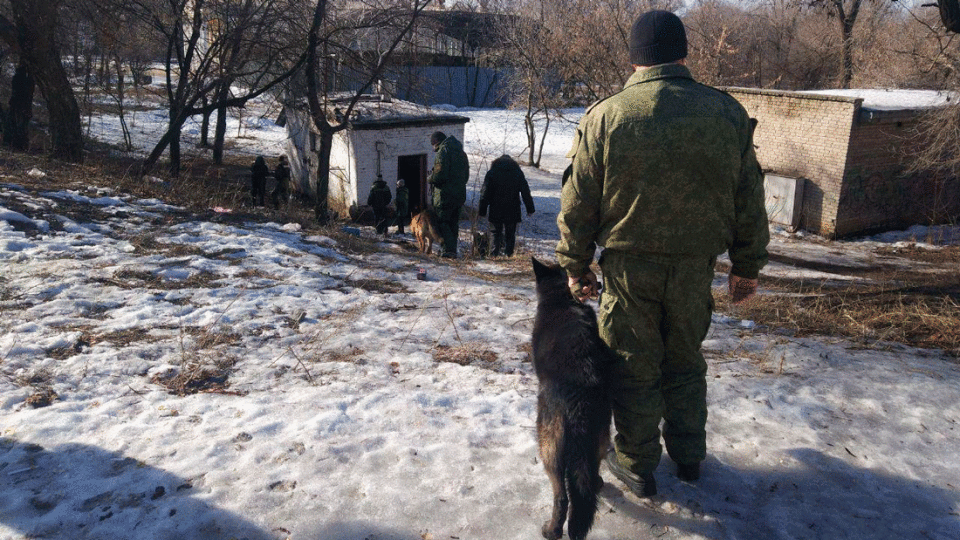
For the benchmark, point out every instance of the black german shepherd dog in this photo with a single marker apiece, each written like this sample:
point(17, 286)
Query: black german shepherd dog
point(573, 410)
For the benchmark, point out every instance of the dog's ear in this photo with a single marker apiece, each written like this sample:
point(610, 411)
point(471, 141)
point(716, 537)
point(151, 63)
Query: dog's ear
point(539, 269)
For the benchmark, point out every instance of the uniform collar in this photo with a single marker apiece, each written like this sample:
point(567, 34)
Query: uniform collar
point(662, 71)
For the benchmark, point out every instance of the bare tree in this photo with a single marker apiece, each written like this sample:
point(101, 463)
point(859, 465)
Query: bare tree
point(326, 34)
point(245, 43)
point(726, 43)
point(532, 52)
point(847, 14)
point(36, 29)
point(112, 39)
point(936, 59)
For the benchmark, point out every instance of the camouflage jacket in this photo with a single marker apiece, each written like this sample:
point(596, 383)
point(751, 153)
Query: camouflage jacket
point(665, 167)
point(451, 171)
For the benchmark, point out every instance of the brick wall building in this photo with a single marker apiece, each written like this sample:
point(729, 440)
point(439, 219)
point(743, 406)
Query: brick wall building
point(852, 159)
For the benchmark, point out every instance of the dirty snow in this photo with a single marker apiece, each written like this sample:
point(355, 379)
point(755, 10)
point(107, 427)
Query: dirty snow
point(356, 402)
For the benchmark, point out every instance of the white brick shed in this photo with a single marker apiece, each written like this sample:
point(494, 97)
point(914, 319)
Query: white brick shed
point(386, 136)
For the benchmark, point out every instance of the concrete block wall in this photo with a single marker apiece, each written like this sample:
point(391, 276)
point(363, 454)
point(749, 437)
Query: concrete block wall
point(804, 136)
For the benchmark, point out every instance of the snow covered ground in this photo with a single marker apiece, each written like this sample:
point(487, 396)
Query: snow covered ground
point(346, 400)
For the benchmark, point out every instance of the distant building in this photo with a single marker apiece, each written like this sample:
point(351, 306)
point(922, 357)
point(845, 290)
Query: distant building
point(447, 58)
point(836, 161)
point(387, 137)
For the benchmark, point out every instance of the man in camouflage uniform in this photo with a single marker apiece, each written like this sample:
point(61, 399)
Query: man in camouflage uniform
point(451, 171)
point(664, 178)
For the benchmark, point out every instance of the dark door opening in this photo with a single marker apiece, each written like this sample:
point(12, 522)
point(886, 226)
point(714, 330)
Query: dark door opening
point(413, 170)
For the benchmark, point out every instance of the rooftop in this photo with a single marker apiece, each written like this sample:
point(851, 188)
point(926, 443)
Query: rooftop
point(893, 99)
point(375, 111)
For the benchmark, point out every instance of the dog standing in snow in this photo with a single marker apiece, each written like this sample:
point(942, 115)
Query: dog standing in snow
point(573, 411)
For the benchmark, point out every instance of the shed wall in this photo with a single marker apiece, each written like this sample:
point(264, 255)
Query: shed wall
point(804, 137)
point(855, 162)
point(353, 157)
point(879, 193)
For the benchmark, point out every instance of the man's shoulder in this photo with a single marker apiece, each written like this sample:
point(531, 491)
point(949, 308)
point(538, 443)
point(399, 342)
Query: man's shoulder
point(721, 95)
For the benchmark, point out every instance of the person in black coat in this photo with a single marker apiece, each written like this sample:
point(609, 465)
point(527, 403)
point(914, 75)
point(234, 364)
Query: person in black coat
point(258, 176)
point(281, 193)
point(378, 199)
point(503, 188)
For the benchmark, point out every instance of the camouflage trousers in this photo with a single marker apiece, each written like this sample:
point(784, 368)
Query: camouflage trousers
point(655, 313)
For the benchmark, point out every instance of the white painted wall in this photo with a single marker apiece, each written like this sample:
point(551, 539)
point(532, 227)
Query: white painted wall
point(353, 157)
point(396, 142)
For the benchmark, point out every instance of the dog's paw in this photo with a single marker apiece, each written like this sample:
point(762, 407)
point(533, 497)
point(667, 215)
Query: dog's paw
point(551, 531)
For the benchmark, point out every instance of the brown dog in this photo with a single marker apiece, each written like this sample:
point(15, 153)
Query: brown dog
point(425, 230)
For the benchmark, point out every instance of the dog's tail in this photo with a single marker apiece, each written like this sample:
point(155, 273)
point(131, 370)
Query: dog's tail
point(582, 479)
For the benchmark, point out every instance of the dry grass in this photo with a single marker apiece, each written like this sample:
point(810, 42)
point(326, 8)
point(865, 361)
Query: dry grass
point(144, 279)
point(43, 397)
point(196, 376)
point(350, 354)
point(920, 315)
point(125, 338)
point(43, 394)
point(209, 338)
point(944, 255)
point(472, 354)
point(38, 377)
point(380, 286)
point(146, 244)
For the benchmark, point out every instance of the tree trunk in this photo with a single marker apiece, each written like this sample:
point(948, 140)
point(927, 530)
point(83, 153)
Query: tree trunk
point(36, 30)
point(205, 126)
point(322, 207)
point(16, 129)
point(847, 34)
point(220, 134)
point(127, 139)
point(175, 130)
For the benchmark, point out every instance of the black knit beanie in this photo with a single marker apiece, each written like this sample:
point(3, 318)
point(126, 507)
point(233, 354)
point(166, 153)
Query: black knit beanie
point(657, 37)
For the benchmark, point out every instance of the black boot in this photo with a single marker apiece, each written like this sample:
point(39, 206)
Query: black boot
point(688, 472)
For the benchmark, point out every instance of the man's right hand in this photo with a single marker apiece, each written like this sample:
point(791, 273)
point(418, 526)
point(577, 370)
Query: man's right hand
point(584, 286)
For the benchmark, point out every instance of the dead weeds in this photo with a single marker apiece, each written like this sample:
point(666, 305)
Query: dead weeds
point(925, 314)
point(195, 377)
point(373, 285)
point(145, 279)
point(465, 355)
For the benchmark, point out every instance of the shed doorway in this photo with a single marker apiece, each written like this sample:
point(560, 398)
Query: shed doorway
point(413, 170)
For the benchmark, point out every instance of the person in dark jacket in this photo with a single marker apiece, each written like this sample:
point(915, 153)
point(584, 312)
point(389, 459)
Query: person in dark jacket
point(451, 172)
point(258, 177)
point(503, 188)
point(282, 191)
point(403, 206)
point(378, 199)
